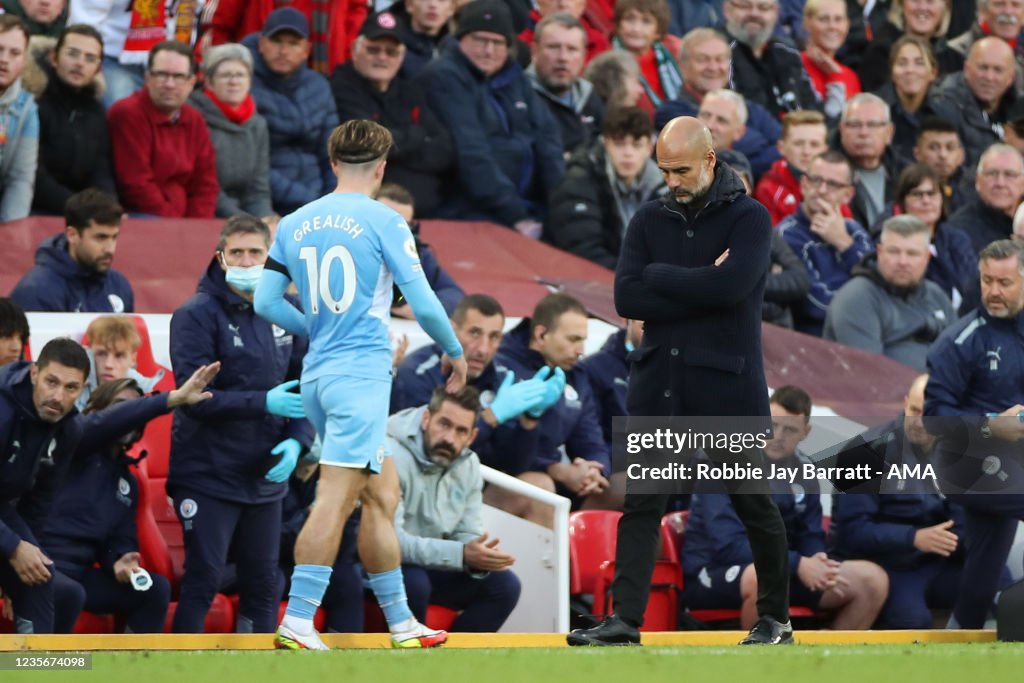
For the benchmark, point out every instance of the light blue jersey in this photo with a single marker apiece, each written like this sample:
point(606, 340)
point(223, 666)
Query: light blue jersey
point(344, 252)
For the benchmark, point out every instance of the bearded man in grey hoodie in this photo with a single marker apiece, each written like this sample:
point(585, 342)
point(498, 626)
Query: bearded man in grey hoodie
point(447, 557)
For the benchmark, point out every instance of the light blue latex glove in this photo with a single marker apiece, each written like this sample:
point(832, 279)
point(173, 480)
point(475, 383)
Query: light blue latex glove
point(554, 386)
point(289, 450)
point(514, 398)
point(282, 402)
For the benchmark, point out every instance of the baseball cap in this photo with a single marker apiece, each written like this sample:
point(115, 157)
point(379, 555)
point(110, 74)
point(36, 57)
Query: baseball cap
point(286, 19)
point(380, 25)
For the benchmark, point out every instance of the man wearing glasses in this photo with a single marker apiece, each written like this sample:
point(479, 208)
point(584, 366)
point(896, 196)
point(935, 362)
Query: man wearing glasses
point(764, 69)
point(370, 86)
point(828, 244)
point(865, 131)
point(163, 158)
point(1000, 185)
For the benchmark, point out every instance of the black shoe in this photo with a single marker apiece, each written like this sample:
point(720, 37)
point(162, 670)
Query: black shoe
point(611, 631)
point(767, 631)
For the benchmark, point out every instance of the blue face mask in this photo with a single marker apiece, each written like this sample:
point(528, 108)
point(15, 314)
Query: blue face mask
point(244, 279)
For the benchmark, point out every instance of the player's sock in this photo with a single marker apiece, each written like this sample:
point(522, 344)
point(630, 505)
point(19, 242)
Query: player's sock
point(309, 582)
point(389, 587)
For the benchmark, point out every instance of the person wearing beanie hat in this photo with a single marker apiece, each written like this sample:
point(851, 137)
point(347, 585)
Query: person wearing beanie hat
point(508, 147)
point(488, 16)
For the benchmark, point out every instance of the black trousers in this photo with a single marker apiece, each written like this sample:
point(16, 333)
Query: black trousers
point(210, 527)
point(637, 551)
point(991, 527)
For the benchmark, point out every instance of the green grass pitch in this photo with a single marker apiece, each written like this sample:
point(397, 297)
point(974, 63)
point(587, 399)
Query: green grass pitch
point(972, 663)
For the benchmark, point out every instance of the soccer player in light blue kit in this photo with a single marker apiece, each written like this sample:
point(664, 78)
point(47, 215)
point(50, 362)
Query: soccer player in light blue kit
point(343, 251)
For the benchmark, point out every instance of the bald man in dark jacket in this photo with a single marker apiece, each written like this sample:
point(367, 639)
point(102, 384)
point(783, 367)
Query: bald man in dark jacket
point(693, 269)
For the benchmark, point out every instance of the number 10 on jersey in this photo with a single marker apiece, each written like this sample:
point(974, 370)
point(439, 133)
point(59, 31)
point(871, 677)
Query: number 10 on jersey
point(318, 274)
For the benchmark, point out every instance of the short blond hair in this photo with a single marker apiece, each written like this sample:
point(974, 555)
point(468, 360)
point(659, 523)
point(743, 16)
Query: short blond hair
point(801, 117)
point(113, 331)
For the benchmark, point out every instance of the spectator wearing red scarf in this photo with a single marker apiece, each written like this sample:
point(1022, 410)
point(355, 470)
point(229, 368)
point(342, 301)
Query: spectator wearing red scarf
point(641, 27)
point(238, 133)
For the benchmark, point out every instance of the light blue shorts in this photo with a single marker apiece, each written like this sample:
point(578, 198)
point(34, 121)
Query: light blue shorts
point(351, 416)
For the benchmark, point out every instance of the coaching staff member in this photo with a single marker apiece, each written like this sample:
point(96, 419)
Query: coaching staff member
point(702, 330)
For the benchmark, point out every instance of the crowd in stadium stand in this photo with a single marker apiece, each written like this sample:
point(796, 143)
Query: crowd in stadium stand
point(884, 137)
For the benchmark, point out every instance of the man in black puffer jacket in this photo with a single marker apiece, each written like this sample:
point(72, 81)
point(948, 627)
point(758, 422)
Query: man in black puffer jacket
point(604, 187)
point(74, 145)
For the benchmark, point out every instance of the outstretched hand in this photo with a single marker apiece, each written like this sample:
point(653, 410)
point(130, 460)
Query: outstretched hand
point(194, 389)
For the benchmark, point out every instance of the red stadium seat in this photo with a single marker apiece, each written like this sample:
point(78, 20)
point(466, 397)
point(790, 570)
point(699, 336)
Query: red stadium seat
point(592, 540)
point(440, 617)
point(152, 545)
point(662, 603)
point(160, 539)
point(673, 528)
point(592, 535)
point(95, 623)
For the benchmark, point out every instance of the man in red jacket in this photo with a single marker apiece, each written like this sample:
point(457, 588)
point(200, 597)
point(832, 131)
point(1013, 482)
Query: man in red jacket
point(163, 159)
point(803, 138)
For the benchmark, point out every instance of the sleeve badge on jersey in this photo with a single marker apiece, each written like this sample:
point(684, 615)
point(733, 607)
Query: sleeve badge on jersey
point(410, 249)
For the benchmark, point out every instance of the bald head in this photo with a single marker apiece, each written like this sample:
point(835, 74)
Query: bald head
point(684, 134)
point(989, 70)
point(991, 47)
point(686, 158)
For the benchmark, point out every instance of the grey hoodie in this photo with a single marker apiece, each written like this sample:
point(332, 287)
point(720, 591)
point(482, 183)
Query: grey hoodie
point(441, 507)
point(870, 314)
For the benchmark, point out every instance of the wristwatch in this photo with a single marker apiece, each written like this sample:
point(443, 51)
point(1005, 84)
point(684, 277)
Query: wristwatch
point(986, 430)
